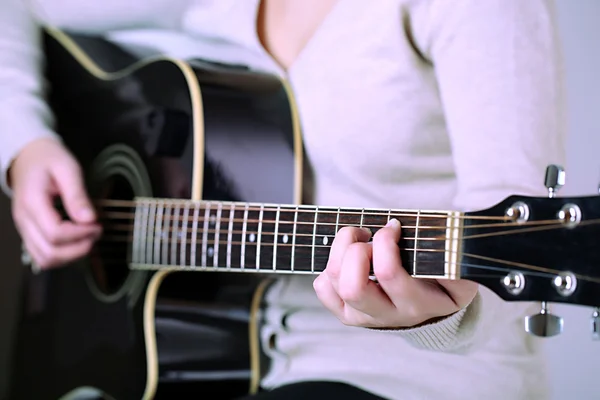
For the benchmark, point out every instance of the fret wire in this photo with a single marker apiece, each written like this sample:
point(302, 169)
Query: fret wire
point(230, 234)
point(244, 227)
point(337, 220)
point(174, 233)
point(217, 233)
point(150, 234)
point(416, 242)
point(275, 237)
point(294, 238)
point(183, 250)
point(258, 236)
point(362, 216)
point(314, 238)
point(158, 232)
point(205, 235)
point(195, 234)
point(144, 235)
point(389, 215)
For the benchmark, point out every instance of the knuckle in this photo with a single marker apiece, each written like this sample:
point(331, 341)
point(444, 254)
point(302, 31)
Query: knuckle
point(355, 250)
point(384, 235)
point(333, 270)
point(319, 284)
point(386, 271)
point(351, 293)
point(53, 234)
point(345, 232)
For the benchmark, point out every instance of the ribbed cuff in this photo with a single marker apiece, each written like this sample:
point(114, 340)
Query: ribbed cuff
point(447, 334)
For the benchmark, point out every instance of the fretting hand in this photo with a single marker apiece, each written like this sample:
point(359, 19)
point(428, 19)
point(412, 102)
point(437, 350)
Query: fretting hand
point(396, 300)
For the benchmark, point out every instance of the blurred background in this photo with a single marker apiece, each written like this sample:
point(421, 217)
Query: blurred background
point(573, 357)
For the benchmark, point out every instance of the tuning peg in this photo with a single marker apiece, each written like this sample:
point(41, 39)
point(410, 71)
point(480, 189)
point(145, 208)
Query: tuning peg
point(544, 324)
point(554, 179)
point(595, 324)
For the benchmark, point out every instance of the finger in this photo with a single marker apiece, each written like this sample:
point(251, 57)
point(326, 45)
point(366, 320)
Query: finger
point(327, 295)
point(48, 255)
point(39, 208)
point(69, 181)
point(355, 288)
point(393, 279)
point(344, 238)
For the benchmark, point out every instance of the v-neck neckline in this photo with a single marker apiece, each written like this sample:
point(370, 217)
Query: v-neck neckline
point(307, 46)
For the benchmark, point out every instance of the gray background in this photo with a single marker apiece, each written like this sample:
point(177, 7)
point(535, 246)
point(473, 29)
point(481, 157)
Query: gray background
point(573, 358)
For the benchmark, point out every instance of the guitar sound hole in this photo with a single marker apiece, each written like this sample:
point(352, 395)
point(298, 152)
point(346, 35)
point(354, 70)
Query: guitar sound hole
point(109, 258)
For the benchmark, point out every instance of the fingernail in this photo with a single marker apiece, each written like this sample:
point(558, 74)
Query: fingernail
point(366, 230)
point(392, 223)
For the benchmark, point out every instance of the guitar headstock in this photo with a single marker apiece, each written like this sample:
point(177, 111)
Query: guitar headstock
point(537, 249)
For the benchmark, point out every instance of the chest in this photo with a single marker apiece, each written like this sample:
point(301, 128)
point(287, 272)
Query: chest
point(285, 27)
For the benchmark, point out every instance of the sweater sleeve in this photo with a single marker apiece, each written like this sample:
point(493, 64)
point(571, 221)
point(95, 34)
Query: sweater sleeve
point(500, 77)
point(24, 114)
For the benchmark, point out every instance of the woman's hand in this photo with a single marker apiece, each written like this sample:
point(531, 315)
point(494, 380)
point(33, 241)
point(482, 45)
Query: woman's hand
point(396, 300)
point(43, 170)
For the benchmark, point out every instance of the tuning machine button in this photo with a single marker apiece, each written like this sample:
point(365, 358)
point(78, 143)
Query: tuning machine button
point(595, 324)
point(554, 179)
point(544, 324)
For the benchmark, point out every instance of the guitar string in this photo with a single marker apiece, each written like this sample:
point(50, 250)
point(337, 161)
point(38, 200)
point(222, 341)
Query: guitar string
point(303, 209)
point(226, 218)
point(324, 257)
point(545, 226)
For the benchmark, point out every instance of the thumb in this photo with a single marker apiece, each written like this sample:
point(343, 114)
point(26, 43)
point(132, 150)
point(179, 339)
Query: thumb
point(71, 188)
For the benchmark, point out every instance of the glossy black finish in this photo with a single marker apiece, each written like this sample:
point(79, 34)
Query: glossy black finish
point(540, 252)
point(67, 337)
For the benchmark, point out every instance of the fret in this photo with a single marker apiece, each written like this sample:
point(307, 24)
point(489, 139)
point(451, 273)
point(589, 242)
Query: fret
point(194, 238)
point(244, 230)
point(144, 234)
point(422, 243)
point(259, 235)
point(166, 226)
point(266, 237)
point(184, 236)
point(230, 235)
point(292, 264)
point(151, 225)
point(238, 235)
point(205, 234)
point(158, 232)
point(304, 235)
point(416, 247)
point(314, 238)
point(282, 241)
point(276, 237)
point(174, 234)
point(137, 235)
point(325, 228)
point(217, 235)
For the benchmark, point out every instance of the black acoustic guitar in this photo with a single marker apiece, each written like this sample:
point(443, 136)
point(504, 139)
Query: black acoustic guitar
point(196, 167)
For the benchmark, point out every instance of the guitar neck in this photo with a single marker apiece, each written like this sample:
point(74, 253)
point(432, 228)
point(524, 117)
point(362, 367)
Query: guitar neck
point(272, 238)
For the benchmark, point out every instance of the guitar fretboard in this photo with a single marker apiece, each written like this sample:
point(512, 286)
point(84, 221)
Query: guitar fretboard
point(254, 237)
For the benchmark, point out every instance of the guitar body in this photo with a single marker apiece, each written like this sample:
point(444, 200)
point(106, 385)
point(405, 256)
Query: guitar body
point(167, 129)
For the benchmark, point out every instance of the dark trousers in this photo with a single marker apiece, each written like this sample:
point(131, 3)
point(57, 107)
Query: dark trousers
point(314, 391)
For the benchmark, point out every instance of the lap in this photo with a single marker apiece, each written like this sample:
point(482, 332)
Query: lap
point(315, 391)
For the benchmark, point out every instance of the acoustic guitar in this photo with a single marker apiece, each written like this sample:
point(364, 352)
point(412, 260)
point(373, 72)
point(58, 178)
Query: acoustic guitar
point(196, 168)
